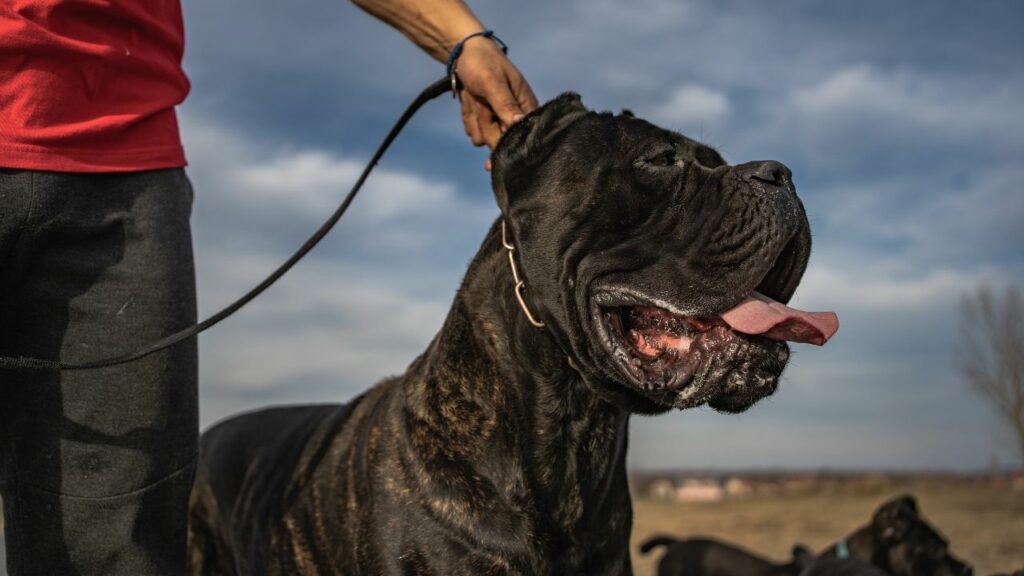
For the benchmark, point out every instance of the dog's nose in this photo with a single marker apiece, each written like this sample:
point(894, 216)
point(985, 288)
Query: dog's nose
point(767, 172)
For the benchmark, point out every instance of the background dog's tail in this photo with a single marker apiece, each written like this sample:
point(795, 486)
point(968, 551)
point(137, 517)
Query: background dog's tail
point(656, 541)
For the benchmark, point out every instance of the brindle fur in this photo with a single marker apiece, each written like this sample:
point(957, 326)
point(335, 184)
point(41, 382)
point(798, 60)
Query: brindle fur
point(491, 454)
point(467, 464)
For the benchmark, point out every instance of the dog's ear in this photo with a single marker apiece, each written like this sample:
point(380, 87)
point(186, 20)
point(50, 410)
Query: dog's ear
point(529, 142)
point(893, 520)
point(802, 556)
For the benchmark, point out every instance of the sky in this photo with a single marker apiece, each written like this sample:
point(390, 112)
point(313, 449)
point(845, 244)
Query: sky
point(901, 122)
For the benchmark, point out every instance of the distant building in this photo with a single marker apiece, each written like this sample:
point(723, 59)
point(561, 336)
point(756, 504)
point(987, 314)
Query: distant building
point(1017, 481)
point(699, 490)
point(737, 487)
point(800, 484)
point(662, 489)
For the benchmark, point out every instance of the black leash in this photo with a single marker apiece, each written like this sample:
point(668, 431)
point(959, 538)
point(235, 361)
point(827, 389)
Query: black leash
point(37, 365)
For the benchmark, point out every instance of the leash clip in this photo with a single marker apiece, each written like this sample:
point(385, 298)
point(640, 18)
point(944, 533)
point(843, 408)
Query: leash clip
point(520, 284)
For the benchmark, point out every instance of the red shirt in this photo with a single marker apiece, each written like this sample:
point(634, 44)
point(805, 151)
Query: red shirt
point(90, 85)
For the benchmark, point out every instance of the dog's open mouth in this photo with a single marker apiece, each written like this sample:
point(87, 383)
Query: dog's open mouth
point(662, 350)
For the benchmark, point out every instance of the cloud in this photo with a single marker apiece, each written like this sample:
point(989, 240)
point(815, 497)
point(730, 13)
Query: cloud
point(908, 97)
point(864, 290)
point(308, 181)
point(867, 118)
point(321, 321)
point(861, 88)
point(691, 105)
point(327, 331)
point(302, 180)
point(981, 218)
point(764, 438)
point(355, 311)
point(256, 194)
point(900, 224)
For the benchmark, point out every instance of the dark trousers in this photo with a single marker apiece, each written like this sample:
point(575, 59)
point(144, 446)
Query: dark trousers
point(96, 465)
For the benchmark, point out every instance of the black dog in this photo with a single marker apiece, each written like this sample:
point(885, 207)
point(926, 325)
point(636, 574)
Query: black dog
point(709, 557)
point(649, 268)
point(900, 542)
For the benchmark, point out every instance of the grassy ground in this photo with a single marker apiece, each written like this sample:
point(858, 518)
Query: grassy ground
point(984, 524)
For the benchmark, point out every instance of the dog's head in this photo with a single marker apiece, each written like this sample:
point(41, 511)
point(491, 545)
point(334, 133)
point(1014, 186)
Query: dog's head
point(911, 546)
point(659, 269)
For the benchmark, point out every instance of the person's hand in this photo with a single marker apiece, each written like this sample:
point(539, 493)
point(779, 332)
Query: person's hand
point(494, 94)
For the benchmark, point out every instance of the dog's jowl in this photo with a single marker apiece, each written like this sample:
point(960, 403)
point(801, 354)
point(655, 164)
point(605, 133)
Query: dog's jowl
point(659, 275)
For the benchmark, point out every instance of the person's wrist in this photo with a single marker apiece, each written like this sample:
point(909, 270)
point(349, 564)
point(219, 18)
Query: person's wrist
point(471, 42)
point(482, 45)
point(455, 32)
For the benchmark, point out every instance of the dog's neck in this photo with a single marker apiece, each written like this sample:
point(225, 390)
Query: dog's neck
point(863, 544)
point(495, 403)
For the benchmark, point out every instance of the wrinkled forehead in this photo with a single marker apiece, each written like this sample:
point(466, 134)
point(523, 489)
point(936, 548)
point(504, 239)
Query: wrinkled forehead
point(628, 137)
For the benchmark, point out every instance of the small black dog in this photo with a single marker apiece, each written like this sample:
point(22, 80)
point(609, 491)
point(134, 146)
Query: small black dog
point(900, 542)
point(709, 557)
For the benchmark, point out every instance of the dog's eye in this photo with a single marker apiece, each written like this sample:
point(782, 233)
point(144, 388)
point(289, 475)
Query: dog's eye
point(663, 159)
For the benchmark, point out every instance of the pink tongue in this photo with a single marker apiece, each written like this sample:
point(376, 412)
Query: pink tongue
point(759, 314)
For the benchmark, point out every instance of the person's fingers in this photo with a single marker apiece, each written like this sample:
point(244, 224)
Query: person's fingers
point(470, 120)
point(499, 96)
point(527, 99)
point(479, 121)
point(514, 98)
point(490, 130)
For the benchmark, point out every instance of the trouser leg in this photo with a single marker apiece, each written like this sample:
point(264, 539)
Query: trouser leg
point(96, 466)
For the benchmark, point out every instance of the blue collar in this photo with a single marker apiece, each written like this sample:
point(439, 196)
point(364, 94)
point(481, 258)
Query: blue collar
point(841, 550)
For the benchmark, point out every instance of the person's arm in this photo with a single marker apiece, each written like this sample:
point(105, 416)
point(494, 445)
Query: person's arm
point(495, 94)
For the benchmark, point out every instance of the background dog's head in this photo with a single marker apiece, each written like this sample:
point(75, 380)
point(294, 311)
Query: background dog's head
point(911, 546)
point(659, 269)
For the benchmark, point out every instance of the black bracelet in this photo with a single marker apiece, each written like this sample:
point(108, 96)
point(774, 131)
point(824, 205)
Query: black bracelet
point(457, 51)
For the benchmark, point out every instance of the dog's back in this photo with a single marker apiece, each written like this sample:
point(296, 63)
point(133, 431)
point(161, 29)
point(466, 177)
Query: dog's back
point(709, 557)
point(249, 466)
